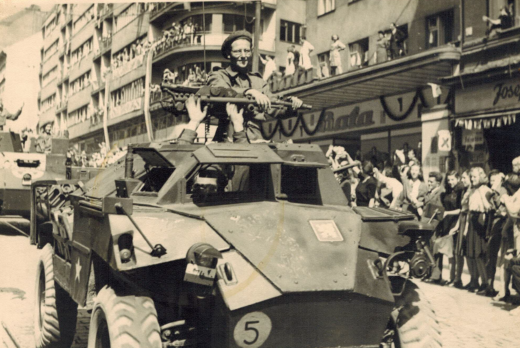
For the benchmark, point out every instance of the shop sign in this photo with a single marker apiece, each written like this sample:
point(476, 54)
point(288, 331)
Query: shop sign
point(472, 137)
point(488, 96)
point(362, 116)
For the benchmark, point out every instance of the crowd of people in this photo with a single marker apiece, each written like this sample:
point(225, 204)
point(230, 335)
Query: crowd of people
point(474, 213)
point(99, 159)
point(180, 33)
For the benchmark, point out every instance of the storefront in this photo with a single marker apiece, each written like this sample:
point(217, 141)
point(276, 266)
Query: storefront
point(485, 124)
point(373, 128)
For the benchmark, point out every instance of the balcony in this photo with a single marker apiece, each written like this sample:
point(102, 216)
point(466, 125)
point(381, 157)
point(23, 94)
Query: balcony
point(125, 108)
point(387, 78)
point(127, 67)
point(161, 9)
point(163, 50)
point(105, 44)
point(62, 106)
point(97, 87)
point(85, 127)
point(105, 12)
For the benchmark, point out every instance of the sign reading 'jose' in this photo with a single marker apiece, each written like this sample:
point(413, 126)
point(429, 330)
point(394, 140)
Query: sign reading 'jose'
point(505, 93)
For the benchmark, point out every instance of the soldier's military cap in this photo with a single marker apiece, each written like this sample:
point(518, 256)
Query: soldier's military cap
point(240, 34)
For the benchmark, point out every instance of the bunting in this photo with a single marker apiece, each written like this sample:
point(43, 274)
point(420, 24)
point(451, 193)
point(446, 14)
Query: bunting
point(486, 123)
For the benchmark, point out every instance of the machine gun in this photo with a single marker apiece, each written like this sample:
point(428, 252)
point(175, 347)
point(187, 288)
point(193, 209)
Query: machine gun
point(216, 99)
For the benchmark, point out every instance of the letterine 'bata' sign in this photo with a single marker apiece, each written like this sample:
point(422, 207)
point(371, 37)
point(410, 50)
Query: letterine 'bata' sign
point(353, 118)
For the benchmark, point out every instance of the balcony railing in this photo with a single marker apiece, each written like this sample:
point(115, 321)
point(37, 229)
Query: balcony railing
point(157, 8)
point(129, 106)
point(105, 43)
point(164, 48)
point(62, 106)
point(128, 66)
point(96, 118)
point(105, 11)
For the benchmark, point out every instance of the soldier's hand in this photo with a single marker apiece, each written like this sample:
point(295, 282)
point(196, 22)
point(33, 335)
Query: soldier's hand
point(237, 117)
point(195, 113)
point(296, 103)
point(263, 101)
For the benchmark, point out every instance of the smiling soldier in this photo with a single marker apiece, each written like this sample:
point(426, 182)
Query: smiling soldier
point(237, 47)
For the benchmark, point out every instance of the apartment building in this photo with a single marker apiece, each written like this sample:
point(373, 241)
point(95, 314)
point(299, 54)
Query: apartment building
point(94, 71)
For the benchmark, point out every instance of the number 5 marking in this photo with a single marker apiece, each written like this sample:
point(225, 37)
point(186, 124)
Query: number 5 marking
point(252, 330)
point(249, 328)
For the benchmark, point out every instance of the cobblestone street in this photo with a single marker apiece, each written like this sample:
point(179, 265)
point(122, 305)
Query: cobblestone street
point(467, 320)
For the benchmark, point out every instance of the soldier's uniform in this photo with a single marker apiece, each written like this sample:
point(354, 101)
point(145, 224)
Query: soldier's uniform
point(228, 78)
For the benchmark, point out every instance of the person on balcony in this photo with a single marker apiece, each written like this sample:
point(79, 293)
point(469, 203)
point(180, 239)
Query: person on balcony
point(305, 53)
point(335, 56)
point(397, 42)
point(238, 47)
point(270, 66)
point(382, 47)
point(504, 21)
point(289, 62)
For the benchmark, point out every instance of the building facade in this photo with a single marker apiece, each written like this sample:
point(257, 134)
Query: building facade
point(487, 89)
point(99, 59)
point(384, 100)
point(418, 94)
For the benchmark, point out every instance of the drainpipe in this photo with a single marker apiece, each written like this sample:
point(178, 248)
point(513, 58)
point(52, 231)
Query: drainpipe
point(256, 36)
point(462, 25)
point(147, 81)
point(105, 110)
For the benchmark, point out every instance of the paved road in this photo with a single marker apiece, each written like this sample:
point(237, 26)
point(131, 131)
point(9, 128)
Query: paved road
point(467, 320)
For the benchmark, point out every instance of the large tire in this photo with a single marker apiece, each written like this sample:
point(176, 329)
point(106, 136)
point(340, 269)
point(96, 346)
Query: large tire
point(55, 312)
point(123, 321)
point(414, 320)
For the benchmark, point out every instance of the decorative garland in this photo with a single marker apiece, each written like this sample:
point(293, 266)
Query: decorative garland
point(418, 94)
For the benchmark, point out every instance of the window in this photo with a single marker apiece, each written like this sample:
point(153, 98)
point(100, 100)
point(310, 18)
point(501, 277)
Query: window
point(439, 29)
point(494, 6)
point(228, 183)
point(199, 25)
point(300, 184)
point(237, 22)
point(359, 53)
point(125, 17)
point(326, 6)
point(290, 32)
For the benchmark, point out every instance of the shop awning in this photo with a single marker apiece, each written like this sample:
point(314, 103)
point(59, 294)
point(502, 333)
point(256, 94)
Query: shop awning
point(388, 78)
point(486, 120)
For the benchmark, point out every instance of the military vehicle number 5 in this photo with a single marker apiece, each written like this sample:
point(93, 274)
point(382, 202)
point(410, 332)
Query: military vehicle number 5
point(249, 327)
point(252, 330)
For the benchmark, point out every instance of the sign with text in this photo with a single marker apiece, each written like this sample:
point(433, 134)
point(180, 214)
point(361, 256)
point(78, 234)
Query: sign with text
point(472, 137)
point(354, 117)
point(504, 93)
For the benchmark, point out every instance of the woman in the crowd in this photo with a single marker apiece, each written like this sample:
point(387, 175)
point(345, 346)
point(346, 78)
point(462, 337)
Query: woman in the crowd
point(460, 240)
point(412, 158)
point(366, 189)
point(451, 200)
point(479, 208)
point(414, 191)
point(494, 237)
